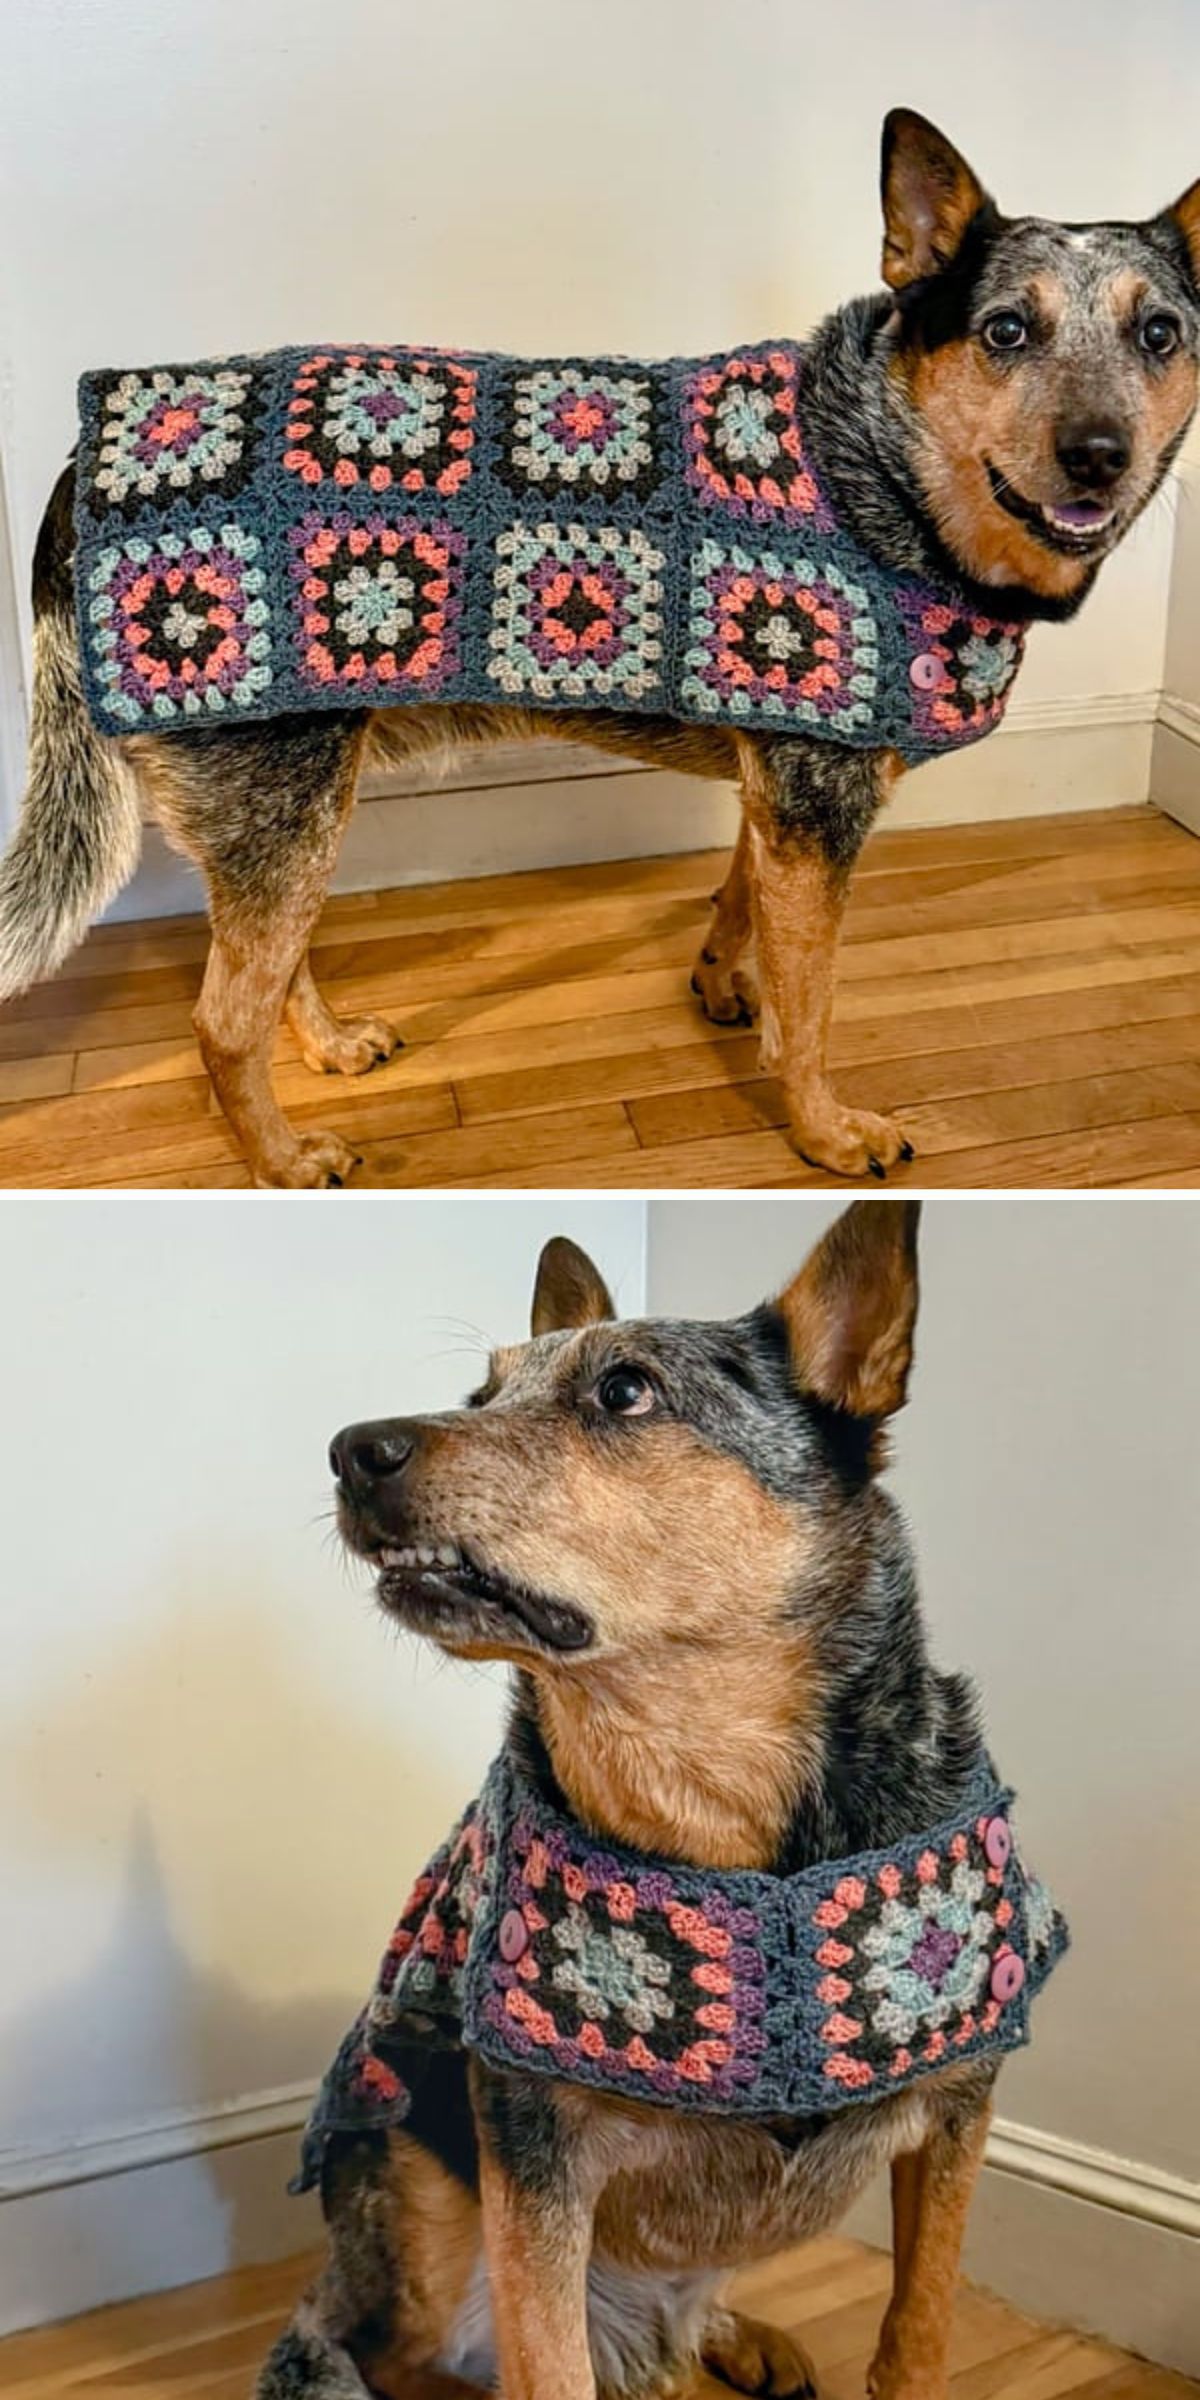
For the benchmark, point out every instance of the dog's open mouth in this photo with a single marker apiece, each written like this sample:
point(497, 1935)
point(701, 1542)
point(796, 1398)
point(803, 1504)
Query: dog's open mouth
point(438, 1589)
point(1073, 527)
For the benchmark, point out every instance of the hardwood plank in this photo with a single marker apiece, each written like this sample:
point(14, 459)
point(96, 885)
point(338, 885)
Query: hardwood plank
point(1002, 1072)
point(1097, 1157)
point(1025, 994)
point(35, 1078)
point(462, 1156)
point(54, 2357)
point(204, 2342)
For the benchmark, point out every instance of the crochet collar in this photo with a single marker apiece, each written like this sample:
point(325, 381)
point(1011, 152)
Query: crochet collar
point(698, 1988)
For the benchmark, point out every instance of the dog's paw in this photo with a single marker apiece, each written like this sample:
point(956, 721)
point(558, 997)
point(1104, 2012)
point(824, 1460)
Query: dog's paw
point(757, 2358)
point(312, 1163)
point(359, 1044)
point(728, 995)
point(850, 1141)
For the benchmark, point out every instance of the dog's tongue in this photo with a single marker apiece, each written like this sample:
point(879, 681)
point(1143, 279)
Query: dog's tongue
point(1080, 512)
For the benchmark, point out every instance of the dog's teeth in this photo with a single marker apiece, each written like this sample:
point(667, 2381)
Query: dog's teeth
point(447, 1555)
point(425, 1554)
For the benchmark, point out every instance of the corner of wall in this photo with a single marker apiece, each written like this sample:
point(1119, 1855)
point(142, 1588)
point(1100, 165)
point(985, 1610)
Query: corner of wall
point(1175, 759)
point(13, 702)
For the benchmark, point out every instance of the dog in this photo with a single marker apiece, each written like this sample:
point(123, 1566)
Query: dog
point(998, 418)
point(674, 1534)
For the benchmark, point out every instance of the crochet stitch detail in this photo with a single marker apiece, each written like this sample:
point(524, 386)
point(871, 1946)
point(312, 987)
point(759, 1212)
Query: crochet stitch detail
point(345, 527)
point(729, 1992)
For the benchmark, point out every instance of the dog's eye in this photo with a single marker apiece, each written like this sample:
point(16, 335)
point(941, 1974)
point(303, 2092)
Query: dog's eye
point(1159, 334)
point(625, 1392)
point(1004, 331)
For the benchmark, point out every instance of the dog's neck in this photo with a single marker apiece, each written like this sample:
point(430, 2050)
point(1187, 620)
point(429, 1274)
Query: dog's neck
point(813, 1742)
point(688, 1754)
point(861, 441)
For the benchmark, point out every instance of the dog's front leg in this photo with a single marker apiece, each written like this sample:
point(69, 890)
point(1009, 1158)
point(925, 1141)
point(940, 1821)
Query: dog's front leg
point(537, 2232)
point(931, 2194)
point(809, 808)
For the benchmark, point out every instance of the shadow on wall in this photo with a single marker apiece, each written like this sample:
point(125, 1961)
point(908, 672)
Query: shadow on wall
point(253, 1841)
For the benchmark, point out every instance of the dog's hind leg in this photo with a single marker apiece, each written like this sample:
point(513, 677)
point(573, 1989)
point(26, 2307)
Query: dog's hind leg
point(724, 979)
point(261, 811)
point(405, 2247)
point(810, 808)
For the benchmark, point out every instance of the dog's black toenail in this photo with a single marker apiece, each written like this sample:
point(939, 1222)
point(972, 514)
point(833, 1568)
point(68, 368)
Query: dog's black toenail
point(877, 1167)
point(745, 1016)
point(907, 1151)
point(696, 987)
point(709, 957)
point(334, 1183)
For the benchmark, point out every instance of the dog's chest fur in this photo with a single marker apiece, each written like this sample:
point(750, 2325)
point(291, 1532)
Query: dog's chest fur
point(686, 2202)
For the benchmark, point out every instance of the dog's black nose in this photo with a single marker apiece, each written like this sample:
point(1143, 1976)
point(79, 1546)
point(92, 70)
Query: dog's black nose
point(362, 1456)
point(1093, 455)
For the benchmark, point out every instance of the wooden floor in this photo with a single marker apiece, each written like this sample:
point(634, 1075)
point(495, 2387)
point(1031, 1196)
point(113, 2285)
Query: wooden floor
point(206, 2341)
point(1026, 997)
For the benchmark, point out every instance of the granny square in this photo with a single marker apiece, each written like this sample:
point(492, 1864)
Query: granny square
point(178, 626)
point(961, 667)
point(744, 447)
point(377, 603)
point(577, 613)
point(168, 432)
point(385, 420)
point(401, 524)
point(579, 429)
point(628, 1978)
point(795, 640)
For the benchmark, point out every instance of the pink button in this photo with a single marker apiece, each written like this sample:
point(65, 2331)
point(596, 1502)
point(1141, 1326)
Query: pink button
point(997, 1843)
point(514, 1937)
point(1008, 1975)
point(926, 671)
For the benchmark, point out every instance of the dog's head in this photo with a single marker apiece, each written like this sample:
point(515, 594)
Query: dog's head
point(1047, 372)
point(632, 1494)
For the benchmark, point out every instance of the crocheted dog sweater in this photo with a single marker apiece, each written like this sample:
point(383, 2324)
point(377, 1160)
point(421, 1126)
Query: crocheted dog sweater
point(332, 528)
point(738, 1993)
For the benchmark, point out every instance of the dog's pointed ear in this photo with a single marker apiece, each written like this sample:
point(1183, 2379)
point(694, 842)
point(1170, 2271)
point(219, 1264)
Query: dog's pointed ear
point(930, 196)
point(569, 1290)
point(850, 1311)
point(1184, 217)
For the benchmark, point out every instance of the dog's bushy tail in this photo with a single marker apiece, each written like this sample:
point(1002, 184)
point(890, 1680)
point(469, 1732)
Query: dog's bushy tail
point(79, 833)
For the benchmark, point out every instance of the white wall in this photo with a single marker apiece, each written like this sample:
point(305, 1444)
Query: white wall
point(539, 175)
point(218, 1773)
point(1047, 1465)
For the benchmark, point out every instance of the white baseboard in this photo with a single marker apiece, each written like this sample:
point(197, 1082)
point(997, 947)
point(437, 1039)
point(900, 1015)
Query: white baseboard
point(1067, 2231)
point(1049, 758)
point(1175, 760)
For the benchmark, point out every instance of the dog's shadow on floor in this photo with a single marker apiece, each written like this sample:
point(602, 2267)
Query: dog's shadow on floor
point(203, 1929)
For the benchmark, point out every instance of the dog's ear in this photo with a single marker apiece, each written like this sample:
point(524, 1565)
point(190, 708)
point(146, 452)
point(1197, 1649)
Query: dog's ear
point(850, 1311)
point(569, 1290)
point(1184, 217)
point(930, 196)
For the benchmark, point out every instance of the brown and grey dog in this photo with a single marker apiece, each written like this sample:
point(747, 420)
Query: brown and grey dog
point(1001, 415)
point(674, 1533)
